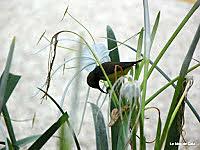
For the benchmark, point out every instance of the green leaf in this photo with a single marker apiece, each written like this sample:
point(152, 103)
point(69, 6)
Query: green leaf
point(133, 139)
point(155, 27)
point(8, 82)
point(158, 133)
point(176, 120)
point(112, 45)
point(123, 135)
point(43, 139)
point(100, 128)
point(114, 55)
point(139, 45)
point(5, 75)
point(177, 95)
point(115, 133)
point(147, 48)
point(178, 29)
point(10, 85)
point(27, 140)
point(10, 147)
point(170, 83)
point(39, 143)
point(65, 141)
point(139, 66)
point(9, 127)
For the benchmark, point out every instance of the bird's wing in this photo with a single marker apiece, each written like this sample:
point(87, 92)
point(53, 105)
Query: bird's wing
point(110, 67)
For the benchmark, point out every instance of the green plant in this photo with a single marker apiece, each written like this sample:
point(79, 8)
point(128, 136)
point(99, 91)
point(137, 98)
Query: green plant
point(127, 97)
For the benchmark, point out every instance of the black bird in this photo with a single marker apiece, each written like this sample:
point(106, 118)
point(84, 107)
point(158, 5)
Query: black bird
point(113, 70)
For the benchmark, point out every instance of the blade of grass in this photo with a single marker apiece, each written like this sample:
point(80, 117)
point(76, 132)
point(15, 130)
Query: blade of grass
point(158, 133)
point(11, 82)
point(139, 47)
point(133, 139)
point(138, 67)
point(181, 25)
point(27, 140)
point(10, 146)
point(65, 141)
point(54, 101)
point(155, 27)
point(179, 90)
point(168, 84)
point(123, 135)
point(177, 116)
point(147, 48)
point(6, 75)
point(39, 143)
point(3, 134)
point(114, 54)
point(100, 128)
point(10, 85)
point(9, 127)
point(47, 135)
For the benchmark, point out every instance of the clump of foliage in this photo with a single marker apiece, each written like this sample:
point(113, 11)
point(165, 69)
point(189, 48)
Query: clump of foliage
point(127, 96)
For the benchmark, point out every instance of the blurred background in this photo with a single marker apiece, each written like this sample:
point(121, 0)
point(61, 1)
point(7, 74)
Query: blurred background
point(27, 20)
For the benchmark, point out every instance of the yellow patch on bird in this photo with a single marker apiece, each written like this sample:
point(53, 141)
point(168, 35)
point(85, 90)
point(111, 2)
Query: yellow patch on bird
point(118, 74)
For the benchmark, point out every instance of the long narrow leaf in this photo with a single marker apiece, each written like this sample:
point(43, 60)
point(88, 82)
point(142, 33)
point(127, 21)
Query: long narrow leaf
point(6, 74)
point(39, 143)
point(168, 84)
point(100, 128)
point(138, 67)
point(10, 147)
point(65, 141)
point(114, 54)
point(10, 85)
point(68, 123)
point(9, 127)
point(178, 92)
point(158, 133)
point(147, 48)
point(27, 140)
point(155, 27)
point(181, 25)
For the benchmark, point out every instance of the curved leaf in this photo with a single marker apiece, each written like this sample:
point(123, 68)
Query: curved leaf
point(100, 128)
point(112, 45)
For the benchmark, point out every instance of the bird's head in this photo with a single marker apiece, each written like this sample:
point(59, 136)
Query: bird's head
point(93, 81)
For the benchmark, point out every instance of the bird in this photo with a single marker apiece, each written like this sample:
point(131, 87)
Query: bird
point(113, 70)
